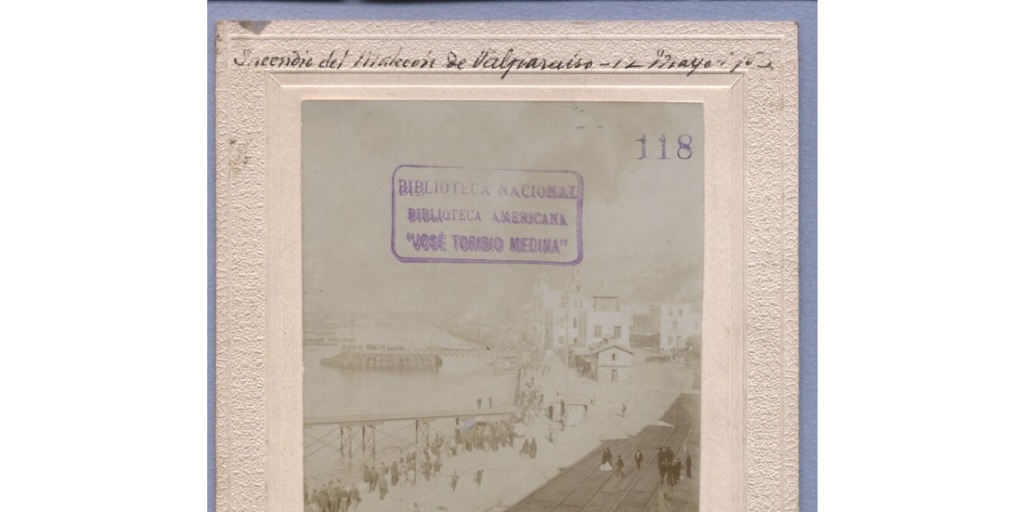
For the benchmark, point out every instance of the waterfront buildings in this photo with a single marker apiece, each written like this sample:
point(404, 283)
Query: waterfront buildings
point(675, 323)
point(612, 363)
point(574, 322)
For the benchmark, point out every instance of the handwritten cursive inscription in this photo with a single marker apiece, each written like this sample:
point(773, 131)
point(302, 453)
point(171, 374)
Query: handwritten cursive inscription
point(502, 62)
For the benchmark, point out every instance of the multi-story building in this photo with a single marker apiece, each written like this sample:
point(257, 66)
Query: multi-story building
point(550, 303)
point(562, 315)
point(675, 324)
point(642, 332)
point(606, 321)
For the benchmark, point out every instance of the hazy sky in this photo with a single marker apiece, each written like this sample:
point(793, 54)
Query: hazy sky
point(642, 219)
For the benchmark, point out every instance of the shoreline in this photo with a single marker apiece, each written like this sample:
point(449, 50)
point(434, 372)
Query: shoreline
point(659, 383)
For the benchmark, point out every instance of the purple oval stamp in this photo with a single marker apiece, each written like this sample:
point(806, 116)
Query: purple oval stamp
point(477, 215)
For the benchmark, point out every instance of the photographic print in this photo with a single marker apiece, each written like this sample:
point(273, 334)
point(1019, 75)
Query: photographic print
point(507, 265)
point(501, 305)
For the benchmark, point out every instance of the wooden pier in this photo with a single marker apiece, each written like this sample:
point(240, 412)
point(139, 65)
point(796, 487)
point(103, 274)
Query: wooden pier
point(364, 426)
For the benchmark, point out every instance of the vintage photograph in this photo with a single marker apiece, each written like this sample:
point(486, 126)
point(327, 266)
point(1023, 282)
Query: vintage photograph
point(502, 305)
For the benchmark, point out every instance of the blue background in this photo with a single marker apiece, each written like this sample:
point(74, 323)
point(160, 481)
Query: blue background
point(804, 13)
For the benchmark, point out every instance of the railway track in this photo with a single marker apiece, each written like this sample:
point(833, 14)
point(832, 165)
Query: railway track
point(652, 498)
point(642, 491)
point(536, 500)
point(615, 497)
point(578, 489)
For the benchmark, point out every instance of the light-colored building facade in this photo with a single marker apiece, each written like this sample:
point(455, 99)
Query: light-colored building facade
point(606, 326)
point(575, 305)
point(562, 316)
point(606, 321)
point(675, 323)
point(613, 363)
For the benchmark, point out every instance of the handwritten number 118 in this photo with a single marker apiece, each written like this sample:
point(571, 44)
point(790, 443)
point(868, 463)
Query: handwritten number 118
point(683, 151)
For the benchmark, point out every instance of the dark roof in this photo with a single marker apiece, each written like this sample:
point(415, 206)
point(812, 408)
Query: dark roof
point(604, 347)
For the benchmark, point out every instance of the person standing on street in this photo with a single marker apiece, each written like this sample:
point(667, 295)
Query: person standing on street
point(353, 497)
point(638, 457)
point(479, 477)
point(623, 410)
point(323, 499)
point(334, 497)
point(618, 467)
point(662, 464)
point(344, 502)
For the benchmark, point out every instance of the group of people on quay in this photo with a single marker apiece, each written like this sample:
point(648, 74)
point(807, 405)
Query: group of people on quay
point(669, 466)
point(529, 448)
point(424, 463)
point(489, 436)
point(609, 462)
point(419, 464)
point(529, 401)
point(331, 497)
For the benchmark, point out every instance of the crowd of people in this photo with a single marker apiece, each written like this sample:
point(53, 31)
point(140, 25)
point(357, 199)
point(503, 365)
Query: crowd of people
point(488, 436)
point(419, 464)
point(331, 497)
point(423, 463)
point(669, 466)
point(529, 401)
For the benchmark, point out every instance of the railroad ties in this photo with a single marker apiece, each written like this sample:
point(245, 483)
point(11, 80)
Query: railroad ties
point(581, 487)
